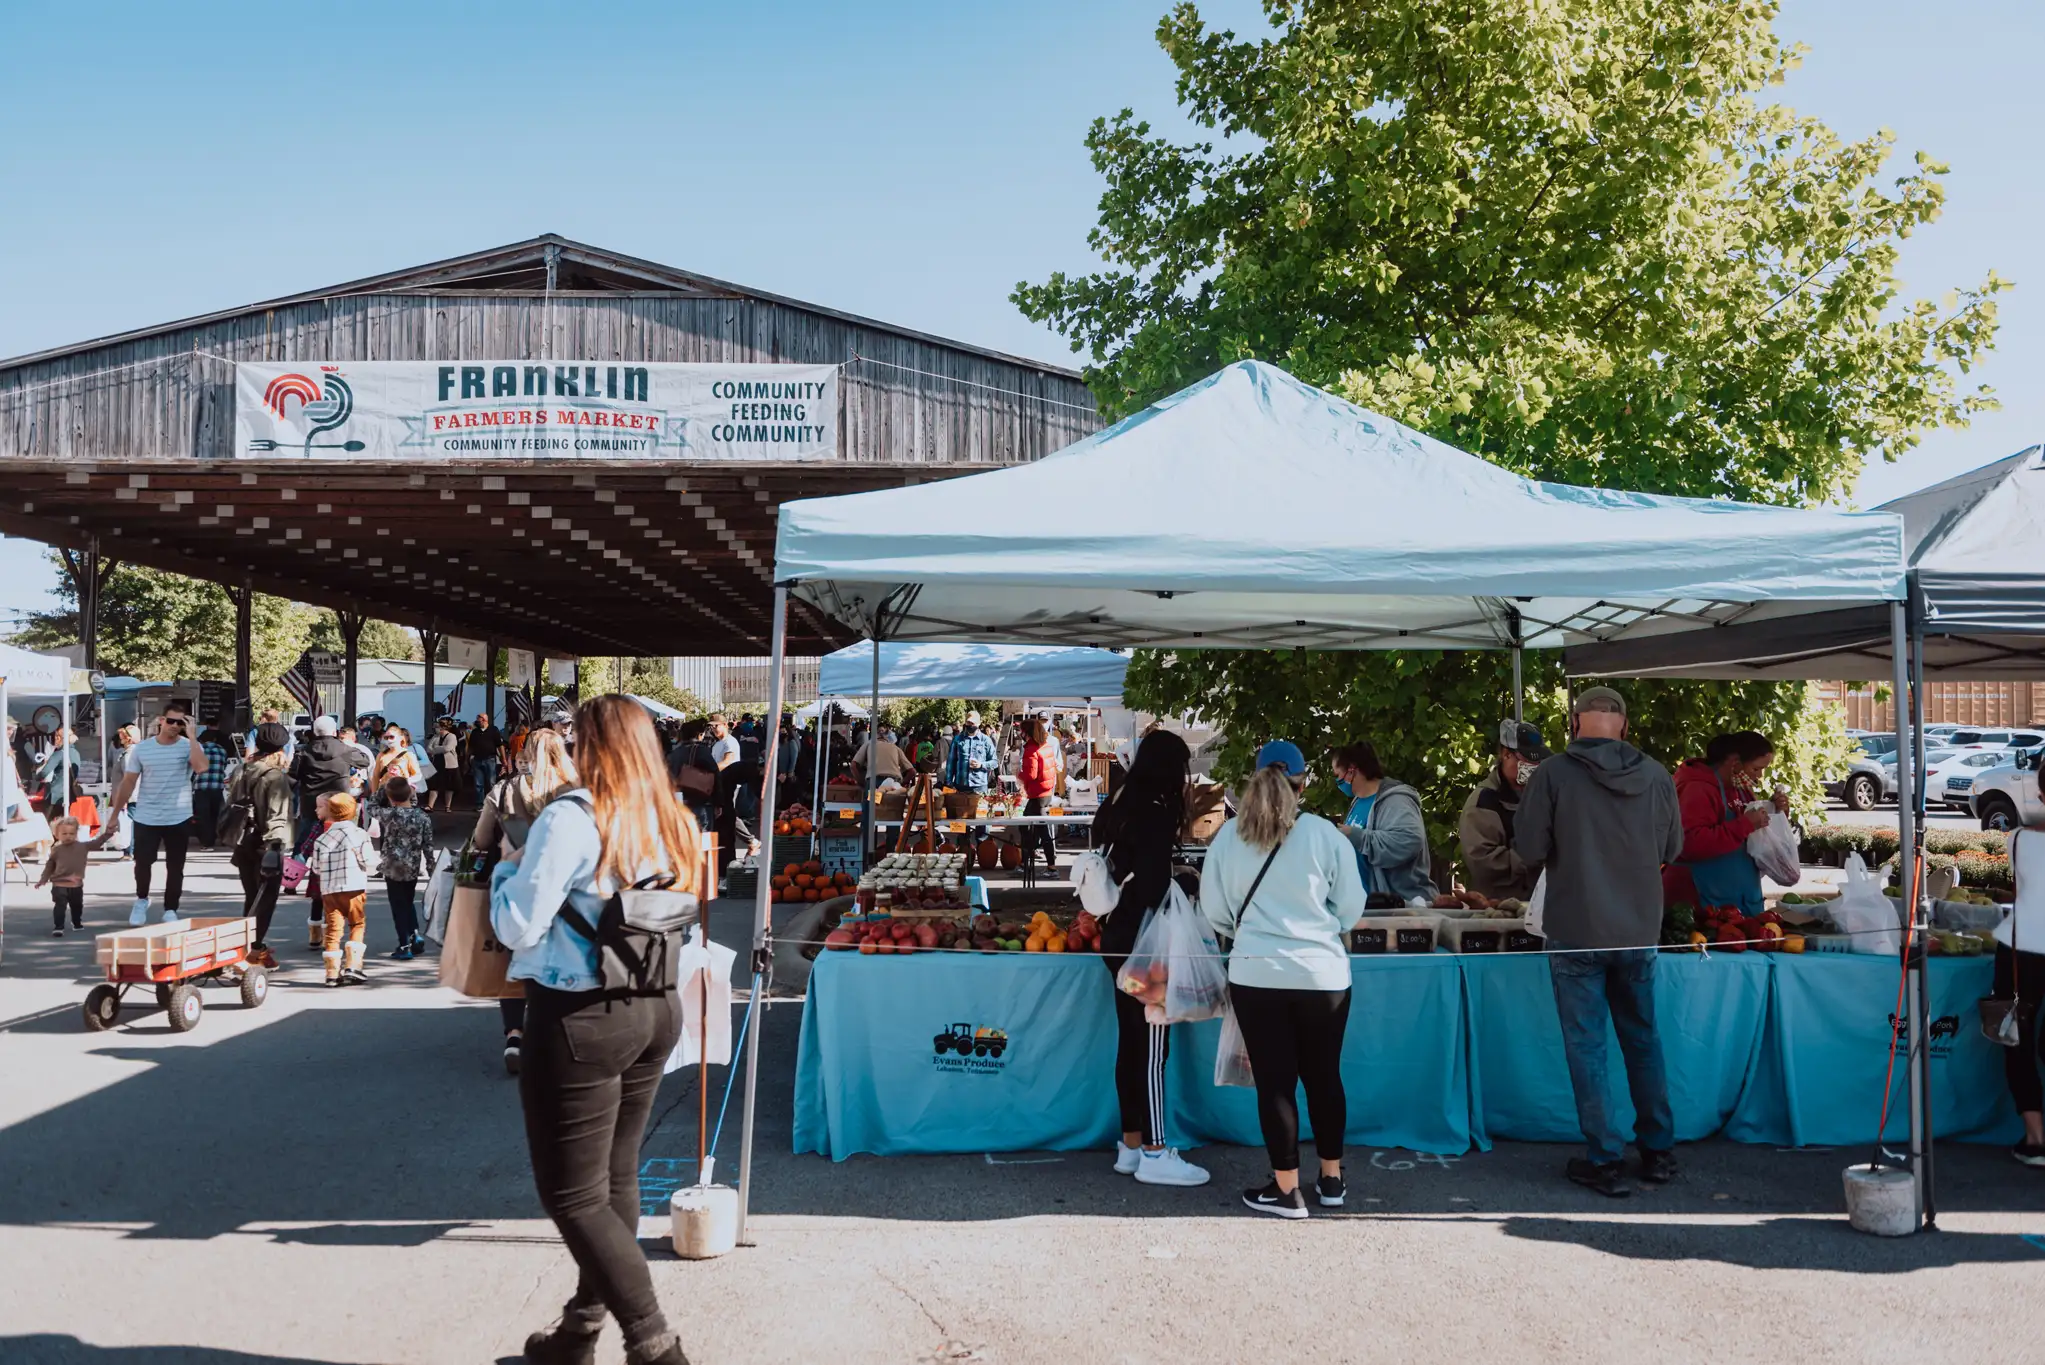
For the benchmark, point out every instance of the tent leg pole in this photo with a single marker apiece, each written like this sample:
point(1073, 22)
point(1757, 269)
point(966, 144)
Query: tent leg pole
point(66, 744)
point(762, 894)
point(1906, 858)
point(872, 760)
point(1519, 691)
point(1928, 1182)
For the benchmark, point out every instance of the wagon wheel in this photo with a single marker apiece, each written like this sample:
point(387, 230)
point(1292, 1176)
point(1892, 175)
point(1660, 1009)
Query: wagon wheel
point(163, 989)
point(255, 987)
point(185, 1006)
point(102, 1007)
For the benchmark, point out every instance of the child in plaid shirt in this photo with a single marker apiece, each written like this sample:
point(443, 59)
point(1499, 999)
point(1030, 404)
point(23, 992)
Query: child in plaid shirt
point(340, 859)
point(405, 841)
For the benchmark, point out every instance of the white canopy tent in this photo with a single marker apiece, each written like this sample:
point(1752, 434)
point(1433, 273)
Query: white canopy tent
point(1046, 673)
point(1254, 511)
point(43, 674)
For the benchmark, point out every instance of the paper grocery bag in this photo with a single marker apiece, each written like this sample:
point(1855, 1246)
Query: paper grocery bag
point(472, 961)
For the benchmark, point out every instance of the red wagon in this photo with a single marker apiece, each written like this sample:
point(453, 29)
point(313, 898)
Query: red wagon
point(176, 958)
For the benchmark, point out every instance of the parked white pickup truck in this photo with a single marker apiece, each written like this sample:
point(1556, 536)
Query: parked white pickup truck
point(2006, 797)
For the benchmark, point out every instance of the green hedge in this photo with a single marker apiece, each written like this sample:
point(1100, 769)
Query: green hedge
point(1878, 844)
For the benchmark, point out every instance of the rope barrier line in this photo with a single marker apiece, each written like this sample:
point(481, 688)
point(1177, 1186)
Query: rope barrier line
point(1702, 949)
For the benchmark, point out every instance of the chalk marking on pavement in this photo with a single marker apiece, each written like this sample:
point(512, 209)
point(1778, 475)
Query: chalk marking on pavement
point(1419, 1159)
point(993, 1160)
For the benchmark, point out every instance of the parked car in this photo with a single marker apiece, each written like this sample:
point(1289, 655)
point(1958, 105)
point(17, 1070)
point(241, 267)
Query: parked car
point(1952, 782)
point(1864, 783)
point(2008, 739)
point(2005, 797)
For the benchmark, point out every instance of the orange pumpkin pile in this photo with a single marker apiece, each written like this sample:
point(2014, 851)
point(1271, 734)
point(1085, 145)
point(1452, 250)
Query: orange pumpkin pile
point(809, 882)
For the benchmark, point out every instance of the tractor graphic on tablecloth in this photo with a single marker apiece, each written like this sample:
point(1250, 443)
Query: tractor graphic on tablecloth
point(968, 1041)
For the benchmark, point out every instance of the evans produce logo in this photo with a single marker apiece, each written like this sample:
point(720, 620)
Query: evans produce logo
point(965, 1048)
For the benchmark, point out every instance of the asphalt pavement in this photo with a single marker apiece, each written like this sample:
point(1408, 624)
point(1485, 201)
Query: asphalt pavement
point(340, 1176)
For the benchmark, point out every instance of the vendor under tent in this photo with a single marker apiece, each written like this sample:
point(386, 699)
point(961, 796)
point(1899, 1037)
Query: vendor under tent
point(1041, 673)
point(1974, 608)
point(40, 675)
point(1367, 535)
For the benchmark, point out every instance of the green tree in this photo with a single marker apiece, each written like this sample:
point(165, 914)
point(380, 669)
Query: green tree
point(651, 678)
point(164, 626)
point(379, 639)
point(1574, 238)
point(911, 714)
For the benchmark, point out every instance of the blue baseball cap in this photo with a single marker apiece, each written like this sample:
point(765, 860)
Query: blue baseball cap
point(1282, 753)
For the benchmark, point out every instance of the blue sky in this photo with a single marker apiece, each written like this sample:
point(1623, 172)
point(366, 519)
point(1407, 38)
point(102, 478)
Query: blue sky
point(906, 161)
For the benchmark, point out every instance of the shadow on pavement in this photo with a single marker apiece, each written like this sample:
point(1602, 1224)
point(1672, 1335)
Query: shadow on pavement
point(326, 1116)
point(55, 1350)
point(1779, 1244)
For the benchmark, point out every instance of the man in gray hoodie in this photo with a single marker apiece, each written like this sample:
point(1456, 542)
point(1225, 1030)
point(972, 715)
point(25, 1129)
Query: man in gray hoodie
point(1601, 820)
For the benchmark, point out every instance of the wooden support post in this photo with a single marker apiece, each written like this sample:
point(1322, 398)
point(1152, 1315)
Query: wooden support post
point(244, 599)
point(351, 656)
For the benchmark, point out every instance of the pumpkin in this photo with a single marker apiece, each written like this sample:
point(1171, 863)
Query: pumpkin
point(1011, 856)
point(989, 852)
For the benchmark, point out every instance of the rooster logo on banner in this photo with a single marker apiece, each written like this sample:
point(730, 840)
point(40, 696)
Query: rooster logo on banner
point(324, 405)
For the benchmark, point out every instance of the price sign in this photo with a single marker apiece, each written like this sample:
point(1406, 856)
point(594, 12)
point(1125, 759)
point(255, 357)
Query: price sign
point(956, 827)
point(839, 851)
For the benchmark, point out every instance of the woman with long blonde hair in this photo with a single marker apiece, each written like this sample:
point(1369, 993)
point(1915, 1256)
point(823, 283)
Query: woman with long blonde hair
point(1283, 883)
point(593, 1058)
point(543, 772)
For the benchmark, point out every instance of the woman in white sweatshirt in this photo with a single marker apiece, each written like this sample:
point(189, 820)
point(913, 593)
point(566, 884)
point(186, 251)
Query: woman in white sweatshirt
point(1283, 883)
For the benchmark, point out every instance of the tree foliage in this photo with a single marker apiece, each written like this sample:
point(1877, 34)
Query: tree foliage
point(652, 678)
point(163, 626)
point(379, 639)
point(1576, 237)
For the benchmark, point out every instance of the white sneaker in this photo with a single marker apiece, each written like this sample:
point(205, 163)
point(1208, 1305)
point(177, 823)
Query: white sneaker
point(1126, 1158)
point(1167, 1167)
point(140, 913)
point(170, 917)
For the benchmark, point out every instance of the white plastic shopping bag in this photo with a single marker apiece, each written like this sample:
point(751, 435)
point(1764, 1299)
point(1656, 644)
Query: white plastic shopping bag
point(1773, 847)
point(1231, 1055)
point(1537, 904)
point(698, 1031)
point(1176, 967)
point(439, 895)
point(1872, 921)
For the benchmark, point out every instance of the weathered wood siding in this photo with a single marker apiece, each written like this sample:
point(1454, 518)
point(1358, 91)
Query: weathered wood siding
point(172, 394)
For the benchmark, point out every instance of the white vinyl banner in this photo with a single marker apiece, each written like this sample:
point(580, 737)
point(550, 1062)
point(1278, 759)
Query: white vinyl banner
point(518, 667)
point(519, 410)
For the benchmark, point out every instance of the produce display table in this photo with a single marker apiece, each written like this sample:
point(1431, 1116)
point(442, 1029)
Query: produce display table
point(1403, 1065)
point(1711, 1013)
point(1443, 1052)
point(1819, 1077)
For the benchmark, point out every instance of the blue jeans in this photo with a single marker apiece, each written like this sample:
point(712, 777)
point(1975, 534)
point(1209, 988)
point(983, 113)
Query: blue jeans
point(1618, 985)
point(483, 776)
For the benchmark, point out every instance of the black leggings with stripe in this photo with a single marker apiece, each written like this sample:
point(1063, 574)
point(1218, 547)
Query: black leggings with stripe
point(1140, 1051)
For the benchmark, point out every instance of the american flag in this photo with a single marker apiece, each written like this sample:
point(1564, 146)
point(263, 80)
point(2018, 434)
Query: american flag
point(297, 680)
point(454, 699)
point(516, 709)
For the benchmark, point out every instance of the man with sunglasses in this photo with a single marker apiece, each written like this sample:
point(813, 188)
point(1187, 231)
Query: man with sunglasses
point(158, 774)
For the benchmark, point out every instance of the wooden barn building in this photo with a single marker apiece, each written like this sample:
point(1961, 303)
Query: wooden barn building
point(124, 448)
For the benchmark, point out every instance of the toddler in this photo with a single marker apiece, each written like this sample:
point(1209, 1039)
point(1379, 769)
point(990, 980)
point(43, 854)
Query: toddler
point(64, 871)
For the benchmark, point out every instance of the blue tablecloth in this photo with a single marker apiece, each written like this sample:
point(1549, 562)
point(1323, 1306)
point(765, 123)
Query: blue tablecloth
point(869, 1076)
point(1819, 1078)
point(1402, 1065)
point(1711, 1014)
point(1442, 1051)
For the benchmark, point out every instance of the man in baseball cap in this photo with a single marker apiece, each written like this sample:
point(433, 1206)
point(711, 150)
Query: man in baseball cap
point(1490, 867)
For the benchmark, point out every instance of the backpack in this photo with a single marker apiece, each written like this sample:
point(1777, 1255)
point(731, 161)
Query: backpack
point(637, 934)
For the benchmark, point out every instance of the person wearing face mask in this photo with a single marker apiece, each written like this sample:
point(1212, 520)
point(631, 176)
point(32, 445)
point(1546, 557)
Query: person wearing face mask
point(1601, 820)
point(973, 760)
point(1384, 825)
point(1714, 793)
point(394, 758)
point(1490, 867)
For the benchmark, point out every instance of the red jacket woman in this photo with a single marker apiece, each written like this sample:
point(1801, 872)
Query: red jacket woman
point(1712, 795)
point(1039, 771)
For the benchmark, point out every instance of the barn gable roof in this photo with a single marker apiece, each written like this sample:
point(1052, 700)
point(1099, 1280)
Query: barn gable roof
point(523, 268)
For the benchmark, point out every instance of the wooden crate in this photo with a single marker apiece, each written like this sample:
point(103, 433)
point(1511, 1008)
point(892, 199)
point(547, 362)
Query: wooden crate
point(166, 952)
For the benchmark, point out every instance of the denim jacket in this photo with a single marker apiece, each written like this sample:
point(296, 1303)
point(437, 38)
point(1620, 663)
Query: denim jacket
point(558, 865)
